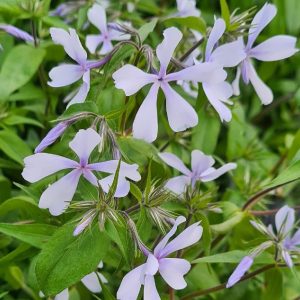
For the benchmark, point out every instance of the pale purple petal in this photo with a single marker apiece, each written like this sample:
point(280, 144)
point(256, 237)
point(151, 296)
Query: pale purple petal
point(260, 21)
point(64, 295)
point(89, 176)
point(201, 162)
point(150, 291)
point(214, 36)
point(236, 82)
point(245, 70)
point(16, 32)
point(59, 194)
point(173, 161)
point(123, 185)
point(201, 72)
point(52, 136)
point(41, 165)
point(284, 220)
point(240, 270)
point(84, 143)
point(230, 54)
point(116, 35)
point(92, 283)
point(213, 173)
point(131, 284)
point(71, 43)
point(166, 48)
point(107, 46)
point(65, 74)
point(110, 166)
point(172, 271)
point(84, 222)
point(263, 91)
point(130, 79)
point(296, 238)
point(218, 94)
point(97, 16)
point(93, 41)
point(287, 258)
point(275, 48)
point(178, 184)
point(181, 115)
point(187, 8)
point(83, 90)
point(146, 115)
point(161, 245)
point(152, 265)
point(188, 237)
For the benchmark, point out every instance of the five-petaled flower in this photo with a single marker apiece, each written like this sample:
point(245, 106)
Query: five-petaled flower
point(66, 74)
point(275, 48)
point(181, 115)
point(97, 16)
point(58, 195)
point(172, 270)
point(202, 170)
point(285, 243)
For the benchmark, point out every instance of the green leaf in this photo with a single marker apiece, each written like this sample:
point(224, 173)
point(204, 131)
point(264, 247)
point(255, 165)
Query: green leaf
point(13, 146)
point(206, 236)
point(146, 29)
point(286, 176)
point(225, 12)
point(65, 259)
point(136, 192)
point(20, 65)
point(33, 234)
point(234, 257)
point(196, 23)
point(12, 120)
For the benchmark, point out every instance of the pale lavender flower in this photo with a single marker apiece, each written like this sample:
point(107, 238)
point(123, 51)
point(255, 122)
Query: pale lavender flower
point(172, 270)
point(202, 170)
point(226, 55)
point(66, 74)
point(16, 32)
point(284, 241)
point(53, 135)
point(97, 16)
point(187, 8)
point(59, 194)
point(65, 9)
point(181, 115)
point(273, 49)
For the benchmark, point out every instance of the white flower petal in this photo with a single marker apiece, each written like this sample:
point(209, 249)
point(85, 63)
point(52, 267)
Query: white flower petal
point(284, 220)
point(166, 48)
point(65, 74)
point(97, 16)
point(59, 194)
point(93, 41)
point(150, 291)
point(178, 184)
point(130, 79)
point(263, 91)
point(260, 21)
point(145, 124)
point(175, 162)
point(84, 143)
point(214, 36)
point(213, 173)
point(107, 46)
point(236, 82)
point(181, 115)
point(64, 295)
point(172, 271)
point(92, 283)
point(41, 165)
point(201, 162)
point(275, 48)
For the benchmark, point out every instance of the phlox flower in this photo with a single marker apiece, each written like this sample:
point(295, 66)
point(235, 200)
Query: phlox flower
point(275, 48)
point(16, 32)
point(202, 170)
point(226, 55)
point(284, 241)
point(187, 8)
point(66, 74)
point(181, 115)
point(59, 194)
point(90, 281)
point(97, 16)
point(172, 270)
